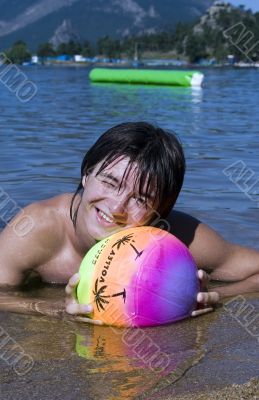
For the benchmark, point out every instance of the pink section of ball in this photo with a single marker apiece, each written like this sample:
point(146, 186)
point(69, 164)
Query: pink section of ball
point(165, 287)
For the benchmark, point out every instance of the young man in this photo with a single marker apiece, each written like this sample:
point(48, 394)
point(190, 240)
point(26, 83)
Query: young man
point(132, 176)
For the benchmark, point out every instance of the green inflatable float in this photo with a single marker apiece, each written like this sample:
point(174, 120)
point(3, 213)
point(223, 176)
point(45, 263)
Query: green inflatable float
point(147, 76)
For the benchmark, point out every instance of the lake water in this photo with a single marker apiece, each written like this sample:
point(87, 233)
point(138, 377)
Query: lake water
point(42, 143)
point(43, 140)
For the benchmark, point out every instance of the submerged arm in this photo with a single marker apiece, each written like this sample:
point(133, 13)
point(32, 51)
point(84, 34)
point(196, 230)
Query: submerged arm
point(33, 306)
point(20, 305)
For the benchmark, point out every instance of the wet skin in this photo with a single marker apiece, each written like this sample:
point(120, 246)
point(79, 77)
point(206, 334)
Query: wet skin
point(55, 248)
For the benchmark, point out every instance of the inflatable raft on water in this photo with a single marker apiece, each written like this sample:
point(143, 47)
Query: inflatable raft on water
point(147, 76)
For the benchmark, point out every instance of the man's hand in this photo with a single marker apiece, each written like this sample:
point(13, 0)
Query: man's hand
point(72, 305)
point(205, 299)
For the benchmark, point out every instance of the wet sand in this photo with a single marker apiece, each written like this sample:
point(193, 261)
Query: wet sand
point(214, 356)
point(233, 392)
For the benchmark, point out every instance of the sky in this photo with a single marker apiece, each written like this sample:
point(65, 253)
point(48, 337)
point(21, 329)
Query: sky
point(253, 4)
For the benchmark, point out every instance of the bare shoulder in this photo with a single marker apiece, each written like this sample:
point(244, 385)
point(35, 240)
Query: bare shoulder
point(46, 216)
point(32, 237)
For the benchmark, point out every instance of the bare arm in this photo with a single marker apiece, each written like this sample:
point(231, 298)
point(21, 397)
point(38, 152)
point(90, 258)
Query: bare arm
point(225, 261)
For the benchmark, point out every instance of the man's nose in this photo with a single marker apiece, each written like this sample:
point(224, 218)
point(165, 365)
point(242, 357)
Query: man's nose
point(118, 205)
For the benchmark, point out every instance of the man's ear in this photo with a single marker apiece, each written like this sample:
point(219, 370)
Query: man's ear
point(84, 179)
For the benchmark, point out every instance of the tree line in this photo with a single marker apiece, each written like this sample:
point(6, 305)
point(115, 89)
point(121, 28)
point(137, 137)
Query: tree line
point(184, 42)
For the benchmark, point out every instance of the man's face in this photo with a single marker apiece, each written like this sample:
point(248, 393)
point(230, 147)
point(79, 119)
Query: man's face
point(106, 207)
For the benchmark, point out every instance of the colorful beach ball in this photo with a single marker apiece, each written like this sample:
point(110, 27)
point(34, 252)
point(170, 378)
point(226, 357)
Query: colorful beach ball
point(139, 277)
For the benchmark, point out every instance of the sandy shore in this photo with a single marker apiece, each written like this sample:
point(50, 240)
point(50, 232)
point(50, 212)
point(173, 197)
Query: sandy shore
point(248, 391)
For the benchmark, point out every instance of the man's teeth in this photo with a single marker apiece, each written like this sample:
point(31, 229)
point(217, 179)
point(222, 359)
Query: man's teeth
point(104, 216)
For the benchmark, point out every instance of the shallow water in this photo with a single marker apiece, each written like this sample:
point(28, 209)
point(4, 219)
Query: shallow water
point(77, 361)
point(42, 144)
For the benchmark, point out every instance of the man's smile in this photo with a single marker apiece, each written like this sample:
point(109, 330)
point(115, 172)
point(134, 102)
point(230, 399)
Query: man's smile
point(104, 216)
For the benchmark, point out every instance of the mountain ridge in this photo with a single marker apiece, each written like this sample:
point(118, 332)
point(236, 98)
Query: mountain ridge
point(35, 21)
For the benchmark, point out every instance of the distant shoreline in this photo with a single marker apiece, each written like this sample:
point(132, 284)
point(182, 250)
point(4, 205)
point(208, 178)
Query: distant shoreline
point(142, 65)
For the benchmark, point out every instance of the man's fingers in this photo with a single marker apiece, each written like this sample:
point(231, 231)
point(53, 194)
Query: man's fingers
point(205, 299)
point(208, 298)
point(72, 307)
point(69, 290)
point(74, 280)
point(201, 311)
point(72, 284)
point(89, 320)
point(204, 278)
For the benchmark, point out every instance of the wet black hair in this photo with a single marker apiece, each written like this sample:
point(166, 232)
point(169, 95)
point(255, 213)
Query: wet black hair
point(157, 153)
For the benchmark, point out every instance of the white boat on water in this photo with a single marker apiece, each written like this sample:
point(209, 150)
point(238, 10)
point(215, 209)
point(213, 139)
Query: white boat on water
point(244, 65)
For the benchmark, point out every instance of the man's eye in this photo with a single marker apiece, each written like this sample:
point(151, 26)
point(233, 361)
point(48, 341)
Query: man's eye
point(141, 201)
point(109, 184)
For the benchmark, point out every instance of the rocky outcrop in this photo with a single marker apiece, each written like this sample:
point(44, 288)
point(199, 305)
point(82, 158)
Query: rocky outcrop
point(210, 18)
point(64, 34)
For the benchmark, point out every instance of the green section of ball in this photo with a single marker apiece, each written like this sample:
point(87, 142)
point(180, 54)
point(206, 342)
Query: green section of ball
point(86, 272)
